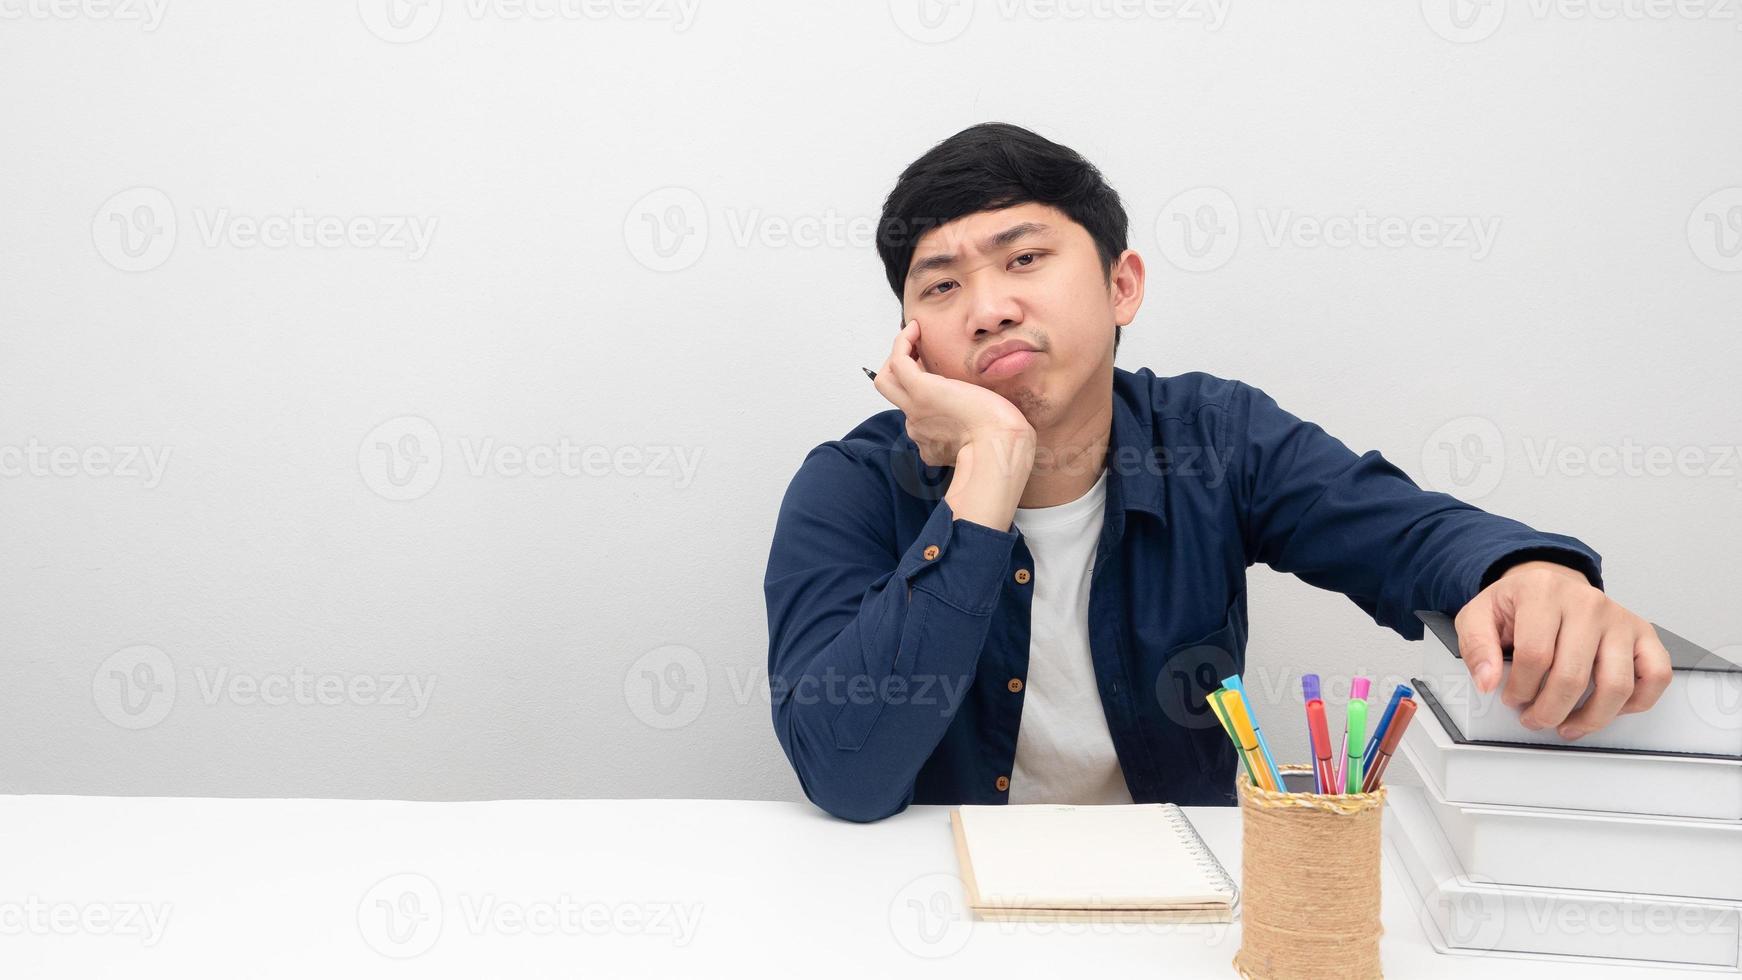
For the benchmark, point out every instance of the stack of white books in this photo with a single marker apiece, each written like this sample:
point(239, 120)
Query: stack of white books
point(1625, 845)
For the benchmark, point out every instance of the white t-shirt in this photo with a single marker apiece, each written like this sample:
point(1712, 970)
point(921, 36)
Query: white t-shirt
point(1064, 752)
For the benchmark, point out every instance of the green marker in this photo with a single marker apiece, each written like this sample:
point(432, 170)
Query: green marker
point(1357, 739)
point(1215, 701)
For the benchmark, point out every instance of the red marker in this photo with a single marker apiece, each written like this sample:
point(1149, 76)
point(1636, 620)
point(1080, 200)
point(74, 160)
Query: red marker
point(1320, 732)
point(1393, 735)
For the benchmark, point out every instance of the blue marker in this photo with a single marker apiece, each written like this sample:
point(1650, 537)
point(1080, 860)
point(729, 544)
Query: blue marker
point(1233, 684)
point(1402, 692)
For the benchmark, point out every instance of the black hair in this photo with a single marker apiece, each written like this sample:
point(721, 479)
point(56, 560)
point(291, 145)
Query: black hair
point(989, 167)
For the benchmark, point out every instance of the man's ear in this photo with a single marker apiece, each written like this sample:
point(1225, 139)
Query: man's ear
point(1126, 287)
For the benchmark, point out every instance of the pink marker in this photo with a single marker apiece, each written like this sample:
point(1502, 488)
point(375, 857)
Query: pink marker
point(1358, 688)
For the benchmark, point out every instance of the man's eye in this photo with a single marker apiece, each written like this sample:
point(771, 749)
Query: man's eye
point(938, 287)
point(1027, 255)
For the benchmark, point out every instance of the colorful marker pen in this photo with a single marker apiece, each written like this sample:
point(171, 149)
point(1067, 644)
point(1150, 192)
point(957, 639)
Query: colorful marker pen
point(1242, 722)
point(1378, 735)
point(1357, 691)
point(1357, 735)
point(1221, 711)
point(1319, 737)
point(1376, 766)
point(1233, 684)
point(1309, 691)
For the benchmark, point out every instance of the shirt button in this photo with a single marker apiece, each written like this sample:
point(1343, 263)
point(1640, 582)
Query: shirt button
point(931, 551)
point(1015, 685)
point(1022, 576)
point(1003, 783)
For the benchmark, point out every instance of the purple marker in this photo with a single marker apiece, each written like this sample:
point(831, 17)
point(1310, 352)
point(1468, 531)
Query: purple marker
point(1309, 689)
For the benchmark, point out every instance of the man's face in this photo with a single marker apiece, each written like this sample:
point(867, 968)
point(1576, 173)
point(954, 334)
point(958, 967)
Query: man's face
point(1025, 273)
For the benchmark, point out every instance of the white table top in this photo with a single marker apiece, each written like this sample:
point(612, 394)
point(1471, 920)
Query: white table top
point(570, 888)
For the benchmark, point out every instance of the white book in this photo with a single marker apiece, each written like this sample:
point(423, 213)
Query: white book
point(1592, 849)
point(1140, 861)
point(1663, 783)
point(1700, 712)
point(1476, 915)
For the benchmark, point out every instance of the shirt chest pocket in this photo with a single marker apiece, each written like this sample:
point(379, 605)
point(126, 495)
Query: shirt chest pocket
point(1185, 675)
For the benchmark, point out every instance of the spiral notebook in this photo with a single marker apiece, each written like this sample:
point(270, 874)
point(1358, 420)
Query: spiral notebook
point(1141, 862)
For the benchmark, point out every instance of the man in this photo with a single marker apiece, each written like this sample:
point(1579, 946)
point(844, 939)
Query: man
point(1046, 628)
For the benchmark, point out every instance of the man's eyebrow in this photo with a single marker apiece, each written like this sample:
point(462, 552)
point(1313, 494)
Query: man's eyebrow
point(1003, 239)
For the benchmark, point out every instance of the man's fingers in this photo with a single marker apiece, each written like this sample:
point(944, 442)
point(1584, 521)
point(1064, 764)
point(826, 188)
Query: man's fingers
point(1651, 671)
point(901, 358)
point(888, 384)
point(1569, 674)
point(1533, 640)
point(900, 353)
point(1479, 643)
point(1614, 675)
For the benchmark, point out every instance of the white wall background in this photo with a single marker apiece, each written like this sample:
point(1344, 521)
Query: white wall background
point(143, 619)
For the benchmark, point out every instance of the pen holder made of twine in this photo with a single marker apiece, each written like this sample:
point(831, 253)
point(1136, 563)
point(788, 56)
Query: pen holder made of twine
point(1309, 884)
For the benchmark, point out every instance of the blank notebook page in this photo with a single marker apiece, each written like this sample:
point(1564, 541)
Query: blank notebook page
point(1049, 856)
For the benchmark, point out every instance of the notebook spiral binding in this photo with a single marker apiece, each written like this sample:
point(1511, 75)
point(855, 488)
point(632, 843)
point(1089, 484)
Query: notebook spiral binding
point(1206, 859)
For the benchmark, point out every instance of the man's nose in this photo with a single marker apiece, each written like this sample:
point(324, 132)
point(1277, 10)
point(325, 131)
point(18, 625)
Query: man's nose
point(995, 309)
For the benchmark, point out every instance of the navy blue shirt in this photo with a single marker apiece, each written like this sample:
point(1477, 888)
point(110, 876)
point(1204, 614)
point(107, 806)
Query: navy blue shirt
point(898, 635)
